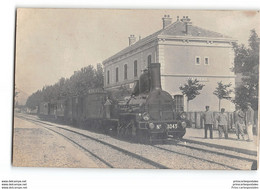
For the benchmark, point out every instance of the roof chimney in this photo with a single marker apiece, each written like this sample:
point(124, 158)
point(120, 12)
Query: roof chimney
point(132, 39)
point(167, 20)
point(187, 21)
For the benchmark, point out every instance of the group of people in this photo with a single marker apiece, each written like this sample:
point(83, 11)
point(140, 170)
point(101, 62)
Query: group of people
point(242, 119)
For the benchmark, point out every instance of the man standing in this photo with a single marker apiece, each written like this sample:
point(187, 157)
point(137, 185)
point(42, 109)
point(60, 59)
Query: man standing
point(239, 122)
point(249, 121)
point(208, 122)
point(222, 123)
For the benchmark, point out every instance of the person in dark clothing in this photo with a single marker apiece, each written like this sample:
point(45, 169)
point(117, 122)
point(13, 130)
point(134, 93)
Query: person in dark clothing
point(208, 119)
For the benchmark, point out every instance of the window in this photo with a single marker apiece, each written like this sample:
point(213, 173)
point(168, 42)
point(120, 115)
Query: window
point(125, 71)
point(108, 77)
point(135, 68)
point(149, 60)
point(116, 74)
point(197, 60)
point(206, 61)
point(179, 103)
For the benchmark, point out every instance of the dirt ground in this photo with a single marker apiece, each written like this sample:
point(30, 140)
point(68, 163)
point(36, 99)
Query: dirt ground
point(34, 146)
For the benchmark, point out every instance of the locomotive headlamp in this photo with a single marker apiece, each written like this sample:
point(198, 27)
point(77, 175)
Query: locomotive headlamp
point(183, 116)
point(183, 124)
point(159, 126)
point(146, 116)
point(151, 125)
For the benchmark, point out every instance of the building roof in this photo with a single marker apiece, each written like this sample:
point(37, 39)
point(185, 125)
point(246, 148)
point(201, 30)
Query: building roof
point(135, 45)
point(176, 29)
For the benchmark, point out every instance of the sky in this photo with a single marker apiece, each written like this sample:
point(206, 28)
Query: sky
point(53, 43)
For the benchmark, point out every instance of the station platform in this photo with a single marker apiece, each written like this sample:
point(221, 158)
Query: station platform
point(243, 146)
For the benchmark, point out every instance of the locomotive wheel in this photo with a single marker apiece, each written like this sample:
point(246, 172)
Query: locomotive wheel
point(100, 126)
point(131, 129)
point(127, 129)
point(120, 131)
point(105, 126)
point(82, 124)
point(93, 125)
point(110, 127)
point(87, 124)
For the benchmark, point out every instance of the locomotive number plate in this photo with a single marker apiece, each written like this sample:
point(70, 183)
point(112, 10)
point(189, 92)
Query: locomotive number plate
point(171, 126)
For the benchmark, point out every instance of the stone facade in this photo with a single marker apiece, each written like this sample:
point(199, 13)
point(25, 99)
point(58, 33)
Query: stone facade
point(184, 51)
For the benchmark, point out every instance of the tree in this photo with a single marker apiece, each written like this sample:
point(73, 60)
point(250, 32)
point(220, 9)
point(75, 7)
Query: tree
point(34, 99)
point(246, 59)
point(81, 81)
point(247, 64)
point(246, 94)
point(191, 90)
point(99, 76)
point(222, 92)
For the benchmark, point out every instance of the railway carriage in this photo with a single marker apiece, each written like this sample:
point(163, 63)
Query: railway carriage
point(60, 108)
point(43, 109)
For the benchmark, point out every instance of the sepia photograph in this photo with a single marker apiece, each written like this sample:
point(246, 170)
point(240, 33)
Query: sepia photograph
point(136, 89)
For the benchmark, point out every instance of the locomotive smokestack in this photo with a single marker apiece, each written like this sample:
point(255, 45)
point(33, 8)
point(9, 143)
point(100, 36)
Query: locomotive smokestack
point(155, 74)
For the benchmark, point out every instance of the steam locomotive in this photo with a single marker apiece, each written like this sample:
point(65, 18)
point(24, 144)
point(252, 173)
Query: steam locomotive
point(147, 113)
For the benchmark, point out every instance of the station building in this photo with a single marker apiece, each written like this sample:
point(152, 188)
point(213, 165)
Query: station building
point(184, 51)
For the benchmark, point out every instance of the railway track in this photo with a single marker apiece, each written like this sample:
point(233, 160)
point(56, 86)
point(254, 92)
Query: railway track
point(127, 153)
point(239, 156)
point(222, 157)
point(117, 150)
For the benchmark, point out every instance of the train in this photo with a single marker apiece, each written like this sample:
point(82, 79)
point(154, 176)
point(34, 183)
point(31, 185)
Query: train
point(146, 114)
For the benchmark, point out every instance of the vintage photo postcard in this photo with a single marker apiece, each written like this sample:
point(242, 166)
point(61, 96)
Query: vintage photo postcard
point(145, 89)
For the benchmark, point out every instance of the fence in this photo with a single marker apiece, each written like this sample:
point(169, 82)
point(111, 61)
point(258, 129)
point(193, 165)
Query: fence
point(197, 122)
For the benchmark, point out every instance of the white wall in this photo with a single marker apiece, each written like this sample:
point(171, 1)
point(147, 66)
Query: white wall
point(179, 65)
point(141, 58)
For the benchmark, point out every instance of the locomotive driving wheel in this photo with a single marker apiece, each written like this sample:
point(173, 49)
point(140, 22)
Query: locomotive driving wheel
point(120, 131)
point(127, 129)
point(131, 129)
